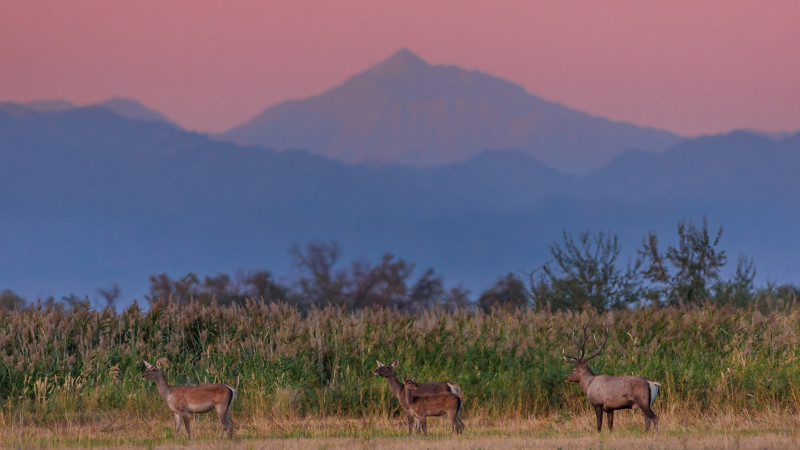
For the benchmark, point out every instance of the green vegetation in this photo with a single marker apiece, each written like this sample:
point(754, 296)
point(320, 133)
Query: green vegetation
point(59, 363)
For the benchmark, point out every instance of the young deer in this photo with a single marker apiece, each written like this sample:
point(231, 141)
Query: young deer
point(434, 405)
point(609, 393)
point(183, 400)
point(423, 389)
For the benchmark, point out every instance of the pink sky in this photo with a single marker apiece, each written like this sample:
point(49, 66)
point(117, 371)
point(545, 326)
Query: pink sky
point(691, 67)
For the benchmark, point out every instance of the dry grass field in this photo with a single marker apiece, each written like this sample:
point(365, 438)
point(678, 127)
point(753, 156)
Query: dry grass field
point(575, 431)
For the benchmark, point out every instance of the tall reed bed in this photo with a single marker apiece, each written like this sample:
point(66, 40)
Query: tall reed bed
point(284, 363)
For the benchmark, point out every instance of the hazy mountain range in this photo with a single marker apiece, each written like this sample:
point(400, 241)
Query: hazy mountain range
point(114, 192)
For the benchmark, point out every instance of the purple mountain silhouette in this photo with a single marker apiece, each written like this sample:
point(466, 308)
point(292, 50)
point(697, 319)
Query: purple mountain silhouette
point(123, 107)
point(408, 111)
point(132, 109)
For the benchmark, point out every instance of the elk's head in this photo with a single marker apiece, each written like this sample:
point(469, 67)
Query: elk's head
point(411, 384)
point(580, 362)
point(384, 370)
point(577, 372)
point(150, 371)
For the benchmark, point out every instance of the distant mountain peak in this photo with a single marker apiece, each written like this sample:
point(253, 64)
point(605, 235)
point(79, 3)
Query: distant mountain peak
point(401, 63)
point(51, 105)
point(132, 109)
point(405, 110)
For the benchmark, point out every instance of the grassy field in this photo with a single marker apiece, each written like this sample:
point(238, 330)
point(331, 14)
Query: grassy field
point(727, 431)
point(73, 378)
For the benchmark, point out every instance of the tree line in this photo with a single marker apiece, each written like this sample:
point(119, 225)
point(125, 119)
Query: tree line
point(583, 270)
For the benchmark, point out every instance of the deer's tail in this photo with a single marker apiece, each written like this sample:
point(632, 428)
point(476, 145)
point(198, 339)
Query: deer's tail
point(654, 387)
point(233, 396)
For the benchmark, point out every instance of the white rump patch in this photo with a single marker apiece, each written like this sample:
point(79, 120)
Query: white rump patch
point(233, 391)
point(654, 385)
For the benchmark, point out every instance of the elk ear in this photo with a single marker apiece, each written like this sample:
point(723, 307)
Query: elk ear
point(395, 363)
point(414, 379)
point(380, 364)
point(147, 365)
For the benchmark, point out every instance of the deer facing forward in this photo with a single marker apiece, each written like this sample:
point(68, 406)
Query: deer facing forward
point(183, 400)
point(608, 393)
point(423, 389)
point(421, 407)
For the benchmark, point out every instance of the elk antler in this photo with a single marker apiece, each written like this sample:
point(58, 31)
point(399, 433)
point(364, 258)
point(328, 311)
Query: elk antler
point(582, 347)
point(599, 347)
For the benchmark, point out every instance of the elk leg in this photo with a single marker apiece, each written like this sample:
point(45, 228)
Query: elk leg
point(187, 421)
point(610, 420)
point(599, 411)
point(224, 414)
point(223, 421)
point(458, 425)
point(178, 420)
point(453, 416)
point(649, 416)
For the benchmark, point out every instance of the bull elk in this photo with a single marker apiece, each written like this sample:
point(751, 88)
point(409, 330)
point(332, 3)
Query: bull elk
point(420, 407)
point(423, 389)
point(610, 393)
point(183, 400)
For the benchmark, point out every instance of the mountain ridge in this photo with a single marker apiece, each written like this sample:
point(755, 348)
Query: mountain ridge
point(406, 110)
point(122, 106)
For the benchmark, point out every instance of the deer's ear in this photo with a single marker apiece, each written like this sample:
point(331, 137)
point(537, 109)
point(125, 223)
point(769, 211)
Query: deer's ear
point(158, 364)
point(395, 363)
point(414, 379)
point(380, 364)
point(147, 365)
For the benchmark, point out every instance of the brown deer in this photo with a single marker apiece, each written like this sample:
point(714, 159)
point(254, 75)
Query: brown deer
point(421, 407)
point(183, 400)
point(423, 389)
point(610, 393)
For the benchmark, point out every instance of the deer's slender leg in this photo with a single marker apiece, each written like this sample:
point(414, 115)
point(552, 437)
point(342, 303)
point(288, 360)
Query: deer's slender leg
point(223, 412)
point(230, 422)
point(178, 421)
point(187, 421)
point(649, 416)
point(599, 412)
